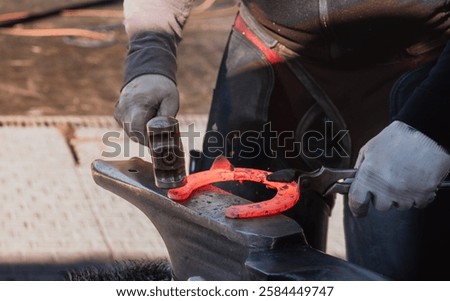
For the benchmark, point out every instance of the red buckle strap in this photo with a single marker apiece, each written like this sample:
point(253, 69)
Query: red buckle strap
point(272, 56)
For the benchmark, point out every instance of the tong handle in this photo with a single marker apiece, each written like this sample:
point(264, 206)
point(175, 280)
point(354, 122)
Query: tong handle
point(344, 187)
point(333, 180)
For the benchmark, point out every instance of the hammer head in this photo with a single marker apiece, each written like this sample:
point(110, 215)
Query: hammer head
point(167, 152)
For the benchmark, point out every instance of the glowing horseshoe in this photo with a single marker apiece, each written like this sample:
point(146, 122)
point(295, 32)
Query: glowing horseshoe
point(222, 170)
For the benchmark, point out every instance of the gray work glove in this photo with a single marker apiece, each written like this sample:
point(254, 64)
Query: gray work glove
point(143, 98)
point(400, 167)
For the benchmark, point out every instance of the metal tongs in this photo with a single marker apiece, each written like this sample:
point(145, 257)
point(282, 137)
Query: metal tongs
point(327, 181)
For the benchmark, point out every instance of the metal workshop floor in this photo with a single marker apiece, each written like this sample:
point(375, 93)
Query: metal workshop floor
point(52, 214)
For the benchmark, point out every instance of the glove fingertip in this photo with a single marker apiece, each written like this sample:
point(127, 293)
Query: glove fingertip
point(136, 132)
point(359, 205)
point(138, 137)
point(360, 210)
point(427, 201)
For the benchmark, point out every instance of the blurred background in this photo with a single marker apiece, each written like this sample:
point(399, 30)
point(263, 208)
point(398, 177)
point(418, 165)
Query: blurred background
point(62, 64)
point(48, 72)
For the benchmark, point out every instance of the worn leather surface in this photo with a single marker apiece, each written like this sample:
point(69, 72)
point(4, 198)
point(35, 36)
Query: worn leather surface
point(352, 30)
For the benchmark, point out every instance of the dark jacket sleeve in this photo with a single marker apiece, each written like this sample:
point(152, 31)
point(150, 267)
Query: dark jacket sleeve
point(428, 108)
point(151, 53)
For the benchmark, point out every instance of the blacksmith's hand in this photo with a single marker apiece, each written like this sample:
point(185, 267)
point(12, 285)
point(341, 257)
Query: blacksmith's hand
point(400, 167)
point(143, 98)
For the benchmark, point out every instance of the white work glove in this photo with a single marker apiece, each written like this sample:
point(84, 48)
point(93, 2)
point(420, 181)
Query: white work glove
point(143, 98)
point(400, 167)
